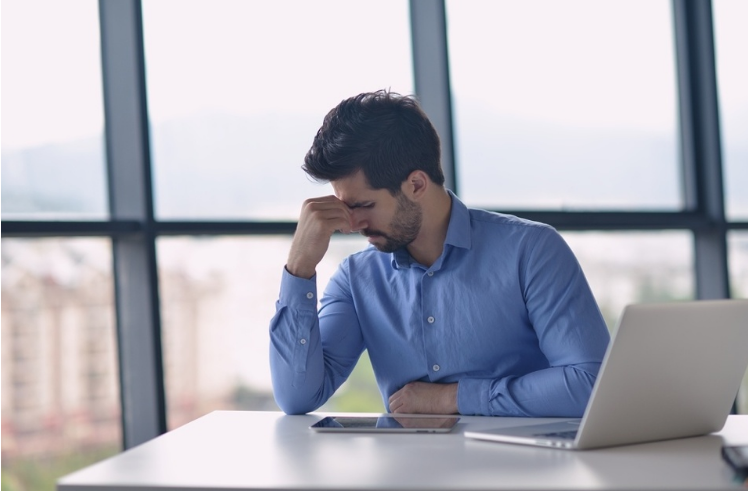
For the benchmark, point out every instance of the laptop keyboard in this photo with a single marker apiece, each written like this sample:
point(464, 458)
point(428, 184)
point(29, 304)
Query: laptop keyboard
point(565, 435)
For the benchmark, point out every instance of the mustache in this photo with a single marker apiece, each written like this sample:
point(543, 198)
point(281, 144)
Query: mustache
point(367, 232)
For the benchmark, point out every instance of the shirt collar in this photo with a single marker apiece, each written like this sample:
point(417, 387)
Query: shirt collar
point(458, 233)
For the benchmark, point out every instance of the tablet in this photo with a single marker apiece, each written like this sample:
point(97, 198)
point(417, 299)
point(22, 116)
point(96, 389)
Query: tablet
point(387, 424)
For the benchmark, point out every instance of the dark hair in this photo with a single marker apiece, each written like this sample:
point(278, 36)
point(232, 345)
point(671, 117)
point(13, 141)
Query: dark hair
point(385, 134)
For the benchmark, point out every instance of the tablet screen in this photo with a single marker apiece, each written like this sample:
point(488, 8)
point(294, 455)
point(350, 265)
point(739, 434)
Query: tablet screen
point(388, 423)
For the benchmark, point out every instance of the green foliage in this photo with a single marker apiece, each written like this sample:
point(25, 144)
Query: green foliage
point(360, 392)
point(609, 315)
point(653, 288)
point(41, 474)
point(248, 399)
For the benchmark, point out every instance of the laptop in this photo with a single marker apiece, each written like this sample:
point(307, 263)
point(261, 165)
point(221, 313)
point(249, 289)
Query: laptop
point(671, 370)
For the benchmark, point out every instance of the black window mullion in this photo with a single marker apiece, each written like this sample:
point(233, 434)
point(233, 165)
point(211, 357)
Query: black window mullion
point(700, 143)
point(428, 27)
point(130, 198)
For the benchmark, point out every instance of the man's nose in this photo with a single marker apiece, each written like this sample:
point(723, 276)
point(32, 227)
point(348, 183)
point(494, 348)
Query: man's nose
point(358, 220)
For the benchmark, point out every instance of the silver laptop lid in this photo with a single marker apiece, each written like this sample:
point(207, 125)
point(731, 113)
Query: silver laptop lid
point(672, 370)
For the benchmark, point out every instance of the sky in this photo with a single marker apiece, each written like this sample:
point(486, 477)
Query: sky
point(51, 72)
point(240, 57)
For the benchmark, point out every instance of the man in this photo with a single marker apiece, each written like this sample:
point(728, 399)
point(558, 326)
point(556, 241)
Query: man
point(461, 310)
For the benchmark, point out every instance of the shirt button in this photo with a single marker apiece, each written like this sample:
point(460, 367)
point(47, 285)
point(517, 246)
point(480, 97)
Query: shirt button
point(310, 295)
point(431, 319)
point(302, 341)
point(430, 273)
point(436, 368)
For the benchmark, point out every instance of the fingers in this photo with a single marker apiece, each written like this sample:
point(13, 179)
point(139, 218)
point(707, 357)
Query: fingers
point(319, 218)
point(402, 401)
point(327, 212)
point(397, 407)
point(395, 401)
point(423, 397)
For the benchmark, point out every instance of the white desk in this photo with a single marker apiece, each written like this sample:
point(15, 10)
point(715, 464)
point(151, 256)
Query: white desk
point(266, 450)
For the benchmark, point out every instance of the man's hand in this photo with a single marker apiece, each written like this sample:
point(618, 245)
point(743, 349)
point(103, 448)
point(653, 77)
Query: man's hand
point(319, 219)
point(424, 397)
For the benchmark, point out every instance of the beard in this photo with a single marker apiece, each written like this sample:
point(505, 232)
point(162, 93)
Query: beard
point(404, 227)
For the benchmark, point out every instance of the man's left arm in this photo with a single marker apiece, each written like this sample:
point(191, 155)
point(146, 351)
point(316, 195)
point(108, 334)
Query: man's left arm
point(571, 334)
point(425, 398)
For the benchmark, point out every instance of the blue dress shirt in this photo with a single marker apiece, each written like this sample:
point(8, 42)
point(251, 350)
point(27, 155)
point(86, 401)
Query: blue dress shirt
point(505, 311)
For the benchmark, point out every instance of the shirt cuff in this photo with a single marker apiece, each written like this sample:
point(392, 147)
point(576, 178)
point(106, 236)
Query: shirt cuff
point(472, 396)
point(298, 293)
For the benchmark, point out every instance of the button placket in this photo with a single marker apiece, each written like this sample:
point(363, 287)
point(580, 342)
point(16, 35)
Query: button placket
point(432, 349)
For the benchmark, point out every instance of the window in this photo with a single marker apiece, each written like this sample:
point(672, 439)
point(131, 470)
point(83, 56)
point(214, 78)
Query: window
point(634, 267)
point(738, 257)
point(559, 108)
point(565, 105)
point(60, 385)
point(237, 91)
point(52, 111)
point(731, 38)
point(217, 298)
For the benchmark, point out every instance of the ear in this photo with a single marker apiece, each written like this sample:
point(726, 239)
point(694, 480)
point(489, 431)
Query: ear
point(415, 186)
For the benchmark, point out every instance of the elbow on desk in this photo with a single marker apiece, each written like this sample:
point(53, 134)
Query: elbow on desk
point(293, 398)
point(294, 406)
point(293, 410)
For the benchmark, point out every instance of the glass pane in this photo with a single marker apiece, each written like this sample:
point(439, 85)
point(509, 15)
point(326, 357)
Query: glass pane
point(731, 38)
point(52, 111)
point(634, 267)
point(218, 296)
point(237, 91)
point(564, 105)
point(737, 243)
point(60, 382)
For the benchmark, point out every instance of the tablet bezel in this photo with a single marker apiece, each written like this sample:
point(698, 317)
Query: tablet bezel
point(419, 424)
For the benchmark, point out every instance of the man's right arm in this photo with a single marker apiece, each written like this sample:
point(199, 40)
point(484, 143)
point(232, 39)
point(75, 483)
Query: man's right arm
point(294, 346)
point(297, 361)
point(309, 363)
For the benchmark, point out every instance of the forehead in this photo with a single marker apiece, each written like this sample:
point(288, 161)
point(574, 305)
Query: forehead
point(355, 190)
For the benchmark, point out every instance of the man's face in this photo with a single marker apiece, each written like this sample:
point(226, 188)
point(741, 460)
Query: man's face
point(390, 222)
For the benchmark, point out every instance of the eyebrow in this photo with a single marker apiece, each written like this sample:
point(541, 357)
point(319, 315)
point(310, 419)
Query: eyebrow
point(358, 204)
